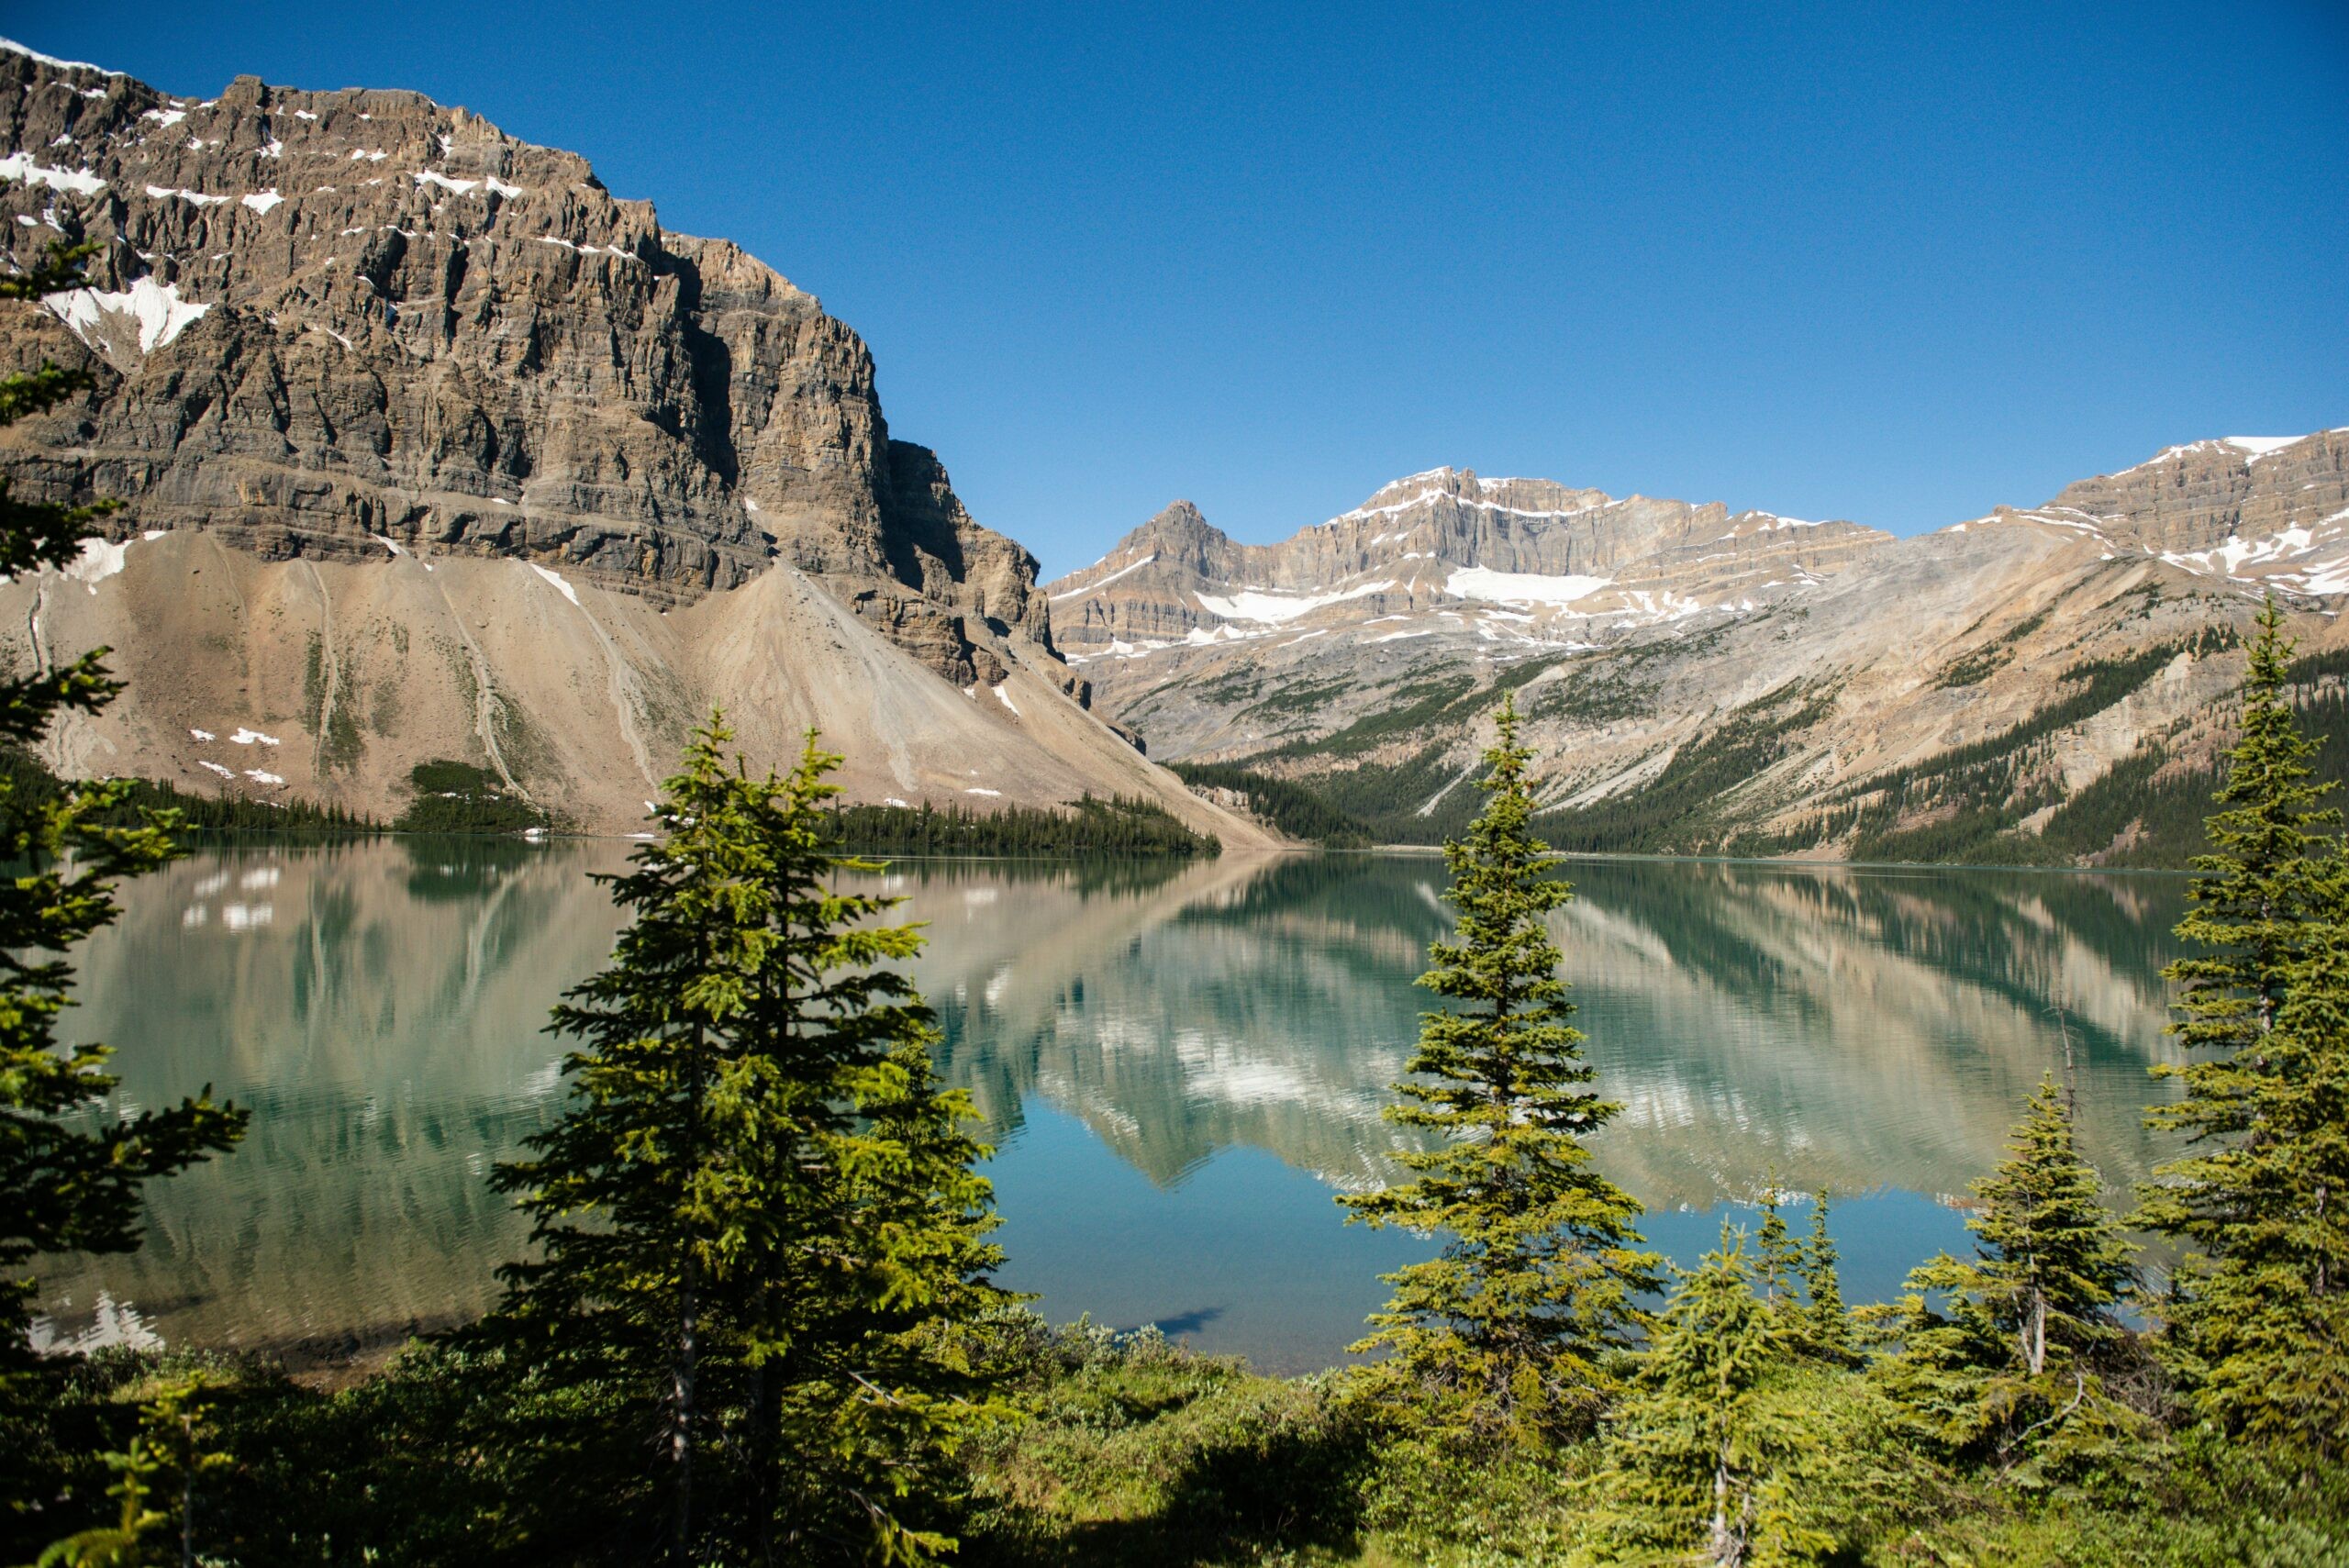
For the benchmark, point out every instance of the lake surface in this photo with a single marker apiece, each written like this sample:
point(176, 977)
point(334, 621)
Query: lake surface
point(1179, 1066)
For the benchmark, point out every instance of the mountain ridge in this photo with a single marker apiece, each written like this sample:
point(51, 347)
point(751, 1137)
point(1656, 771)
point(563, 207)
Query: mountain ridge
point(1533, 542)
point(1698, 679)
point(476, 460)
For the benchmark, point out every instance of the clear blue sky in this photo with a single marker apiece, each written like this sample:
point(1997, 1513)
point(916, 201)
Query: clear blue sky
point(1822, 260)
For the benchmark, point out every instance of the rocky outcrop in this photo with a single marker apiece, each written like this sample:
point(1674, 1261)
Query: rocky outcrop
point(2265, 509)
point(323, 320)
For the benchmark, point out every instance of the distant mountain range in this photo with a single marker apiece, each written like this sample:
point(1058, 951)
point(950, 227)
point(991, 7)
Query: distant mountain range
point(2044, 683)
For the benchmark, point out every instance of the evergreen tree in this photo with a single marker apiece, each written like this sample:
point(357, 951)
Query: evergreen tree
point(167, 1460)
point(69, 1182)
point(1509, 1329)
point(134, 1539)
point(1778, 1265)
point(1826, 1325)
point(2259, 888)
point(2257, 1198)
point(2054, 1265)
point(2268, 1310)
point(179, 1426)
point(2010, 1364)
point(760, 1210)
point(1797, 1281)
point(1702, 1460)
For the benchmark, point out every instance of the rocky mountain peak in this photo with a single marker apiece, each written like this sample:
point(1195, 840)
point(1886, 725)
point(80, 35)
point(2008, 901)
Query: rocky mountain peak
point(1179, 520)
point(432, 449)
point(1463, 489)
point(1180, 537)
point(327, 324)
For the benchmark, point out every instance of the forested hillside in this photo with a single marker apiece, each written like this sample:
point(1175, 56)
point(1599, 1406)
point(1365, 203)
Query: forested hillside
point(1996, 801)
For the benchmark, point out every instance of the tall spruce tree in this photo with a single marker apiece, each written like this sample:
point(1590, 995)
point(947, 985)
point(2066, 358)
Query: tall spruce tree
point(2054, 1264)
point(1509, 1329)
point(1701, 1459)
point(2264, 1322)
point(2259, 889)
point(759, 1208)
point(1779, 1257)
point(2000, 1355)
point(2255, 1323)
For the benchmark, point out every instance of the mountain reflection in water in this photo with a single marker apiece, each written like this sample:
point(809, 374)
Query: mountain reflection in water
point(1178, 1063)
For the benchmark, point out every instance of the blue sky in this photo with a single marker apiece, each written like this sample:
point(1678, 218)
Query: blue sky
point(1894, 263)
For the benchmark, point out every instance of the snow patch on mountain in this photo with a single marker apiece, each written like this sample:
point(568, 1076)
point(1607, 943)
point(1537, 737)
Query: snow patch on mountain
point(158, 308)
point(565, 589)
point(1120, 571)
point(1430, 498)
point(20, 166)
point(2254, 446)
point(100, 559)
point(2260, 446)
point(13, 47)
point(1521, 587)
point(200, 198)
point(1260, 604)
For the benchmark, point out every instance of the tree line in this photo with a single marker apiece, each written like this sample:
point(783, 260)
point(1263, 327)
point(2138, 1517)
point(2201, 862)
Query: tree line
point(30, 781)
point(1119, 824)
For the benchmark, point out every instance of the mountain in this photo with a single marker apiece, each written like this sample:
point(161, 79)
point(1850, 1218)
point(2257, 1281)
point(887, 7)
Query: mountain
point(430, 447)
point(2034, 684)
point(1516, 552)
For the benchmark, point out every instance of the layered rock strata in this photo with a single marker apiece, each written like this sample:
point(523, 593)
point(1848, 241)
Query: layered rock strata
point(430, 446)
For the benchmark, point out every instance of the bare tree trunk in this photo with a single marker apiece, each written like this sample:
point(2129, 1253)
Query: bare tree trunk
point(681, 1430)
point(766, 1400)
point(1725, 1553)
point(2036, 1337)
point(681, 1427)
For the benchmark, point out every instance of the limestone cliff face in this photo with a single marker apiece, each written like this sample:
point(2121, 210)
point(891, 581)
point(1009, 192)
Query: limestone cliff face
point(2261, 508)
point(321, 321)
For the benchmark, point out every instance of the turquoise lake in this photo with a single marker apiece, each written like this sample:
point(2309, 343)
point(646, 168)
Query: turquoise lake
point(1179, 1065)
